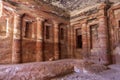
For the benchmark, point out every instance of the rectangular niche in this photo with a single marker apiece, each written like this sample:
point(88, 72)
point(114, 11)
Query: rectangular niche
point(61, 33)
point(28, 30)
point(3, 27)
point(93, 35)
point(47, 32)
point(79, 42)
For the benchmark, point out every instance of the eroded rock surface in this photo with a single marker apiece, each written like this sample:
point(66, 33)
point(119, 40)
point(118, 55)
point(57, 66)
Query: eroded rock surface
point(68, 69)
point(110, 74)
point(38, 70)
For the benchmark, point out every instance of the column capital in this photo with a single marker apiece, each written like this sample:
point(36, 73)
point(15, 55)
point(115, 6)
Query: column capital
point(56, 22)
point(19, 15)
point(40, 19)
point(102, 6)
point(84, 21)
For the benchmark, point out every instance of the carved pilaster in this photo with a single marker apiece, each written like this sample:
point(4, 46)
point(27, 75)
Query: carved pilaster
point(16, 55)
point(39, 43)
point(56, 40)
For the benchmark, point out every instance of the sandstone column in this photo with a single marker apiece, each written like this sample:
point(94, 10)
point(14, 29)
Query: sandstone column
point(56, 40)
point(16, 55)
point(39, 43)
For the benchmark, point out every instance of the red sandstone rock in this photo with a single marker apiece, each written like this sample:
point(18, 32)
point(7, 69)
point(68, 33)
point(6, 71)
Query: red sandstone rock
point(87, 33)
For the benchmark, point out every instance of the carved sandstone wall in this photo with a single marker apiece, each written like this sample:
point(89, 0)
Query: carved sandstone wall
point(26, 41)
point(93, 24)
point(114, 30)
point(33, 31)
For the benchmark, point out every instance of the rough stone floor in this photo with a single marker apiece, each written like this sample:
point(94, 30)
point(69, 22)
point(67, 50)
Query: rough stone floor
point(68, 69)
point(106, 75)
point(113, 73)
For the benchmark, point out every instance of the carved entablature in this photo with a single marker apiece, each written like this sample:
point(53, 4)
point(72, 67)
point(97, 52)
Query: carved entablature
point(86, 13)
point(91, 20)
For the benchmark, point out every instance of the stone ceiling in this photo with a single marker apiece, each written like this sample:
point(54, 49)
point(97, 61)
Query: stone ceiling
point(71, 5)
